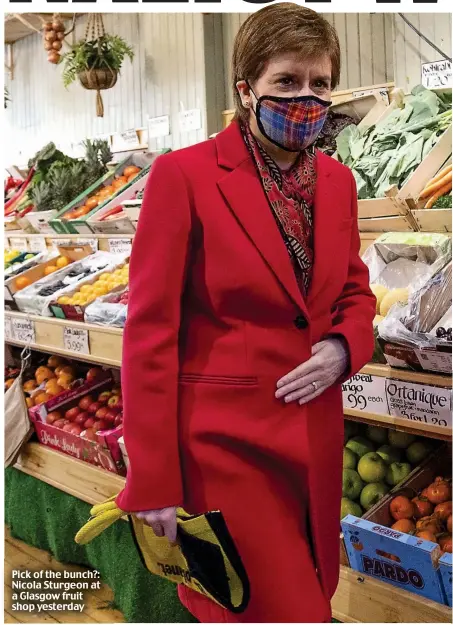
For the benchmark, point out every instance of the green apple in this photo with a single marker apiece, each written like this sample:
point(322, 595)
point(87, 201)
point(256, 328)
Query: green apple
point(372, 468)
point(352, 484)
point(350, 459)
point(376, 434)
point(350, 507)
point(350, 429)
point(371, 494)
point(389, 454)
point(360, 445)
point(397, 472)
point(402, 440)
point(417, 451)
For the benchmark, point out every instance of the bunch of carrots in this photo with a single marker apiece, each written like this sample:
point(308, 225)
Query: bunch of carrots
point(437, 187)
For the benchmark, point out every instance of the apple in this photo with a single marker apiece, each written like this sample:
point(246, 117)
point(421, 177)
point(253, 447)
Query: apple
point(81, 418)
point(72, 413)
point(397, 472)
point(350, 459)
point(110, 417)
point(85, 402)
point(67, 427)
point(100, 425)
point(100, 414)
point(104, 397)
point(350, 507)
point(94, 407)
point(402, 440)
point(376, 434)
point(389, 454)
point(59, 423)
point(417, 451)
point(114, 401)
point(92, 373)
point(89, 434)
point(53, 416)
point(360, 445)
point(89, 422)
point(118, 420)
point(352, 484)
point(75, 429)
point(372, 468)
point(371, 494)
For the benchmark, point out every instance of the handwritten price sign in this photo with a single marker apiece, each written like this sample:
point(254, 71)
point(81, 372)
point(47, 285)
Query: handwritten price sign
point(416, 402)
point(75, 340)
point(365, 392)
point(120, 246)
point(23, 330)
point(37, 244)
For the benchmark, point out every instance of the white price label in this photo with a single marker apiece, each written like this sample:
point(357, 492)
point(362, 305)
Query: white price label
point(190, 120)
point(120, 246)
point(60, 242)
point(416, 402)
point(365, 392)
point(158, 127)
point(23, 330)
point(130, 137)
point(437, 75)
point(93, 243)
point(75, 340)
point(37, 244)
point(8, 328)
point(19, 243)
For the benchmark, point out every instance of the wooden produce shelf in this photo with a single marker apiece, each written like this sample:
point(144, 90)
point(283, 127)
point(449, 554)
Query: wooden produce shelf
point(359, 598)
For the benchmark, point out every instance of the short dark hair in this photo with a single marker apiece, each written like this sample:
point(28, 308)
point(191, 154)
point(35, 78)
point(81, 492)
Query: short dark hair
point(279, 29)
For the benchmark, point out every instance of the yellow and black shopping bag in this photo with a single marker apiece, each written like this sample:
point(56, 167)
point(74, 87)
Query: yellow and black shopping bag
point(204, 559)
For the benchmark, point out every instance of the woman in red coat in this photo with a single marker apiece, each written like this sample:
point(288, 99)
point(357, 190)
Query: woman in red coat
point(248, 306)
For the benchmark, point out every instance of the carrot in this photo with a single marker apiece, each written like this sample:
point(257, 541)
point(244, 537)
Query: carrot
point(439, 193)
point(427, 191)
point(440, 175)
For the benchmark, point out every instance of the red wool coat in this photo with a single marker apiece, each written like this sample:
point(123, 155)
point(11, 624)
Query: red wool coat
point(215, 319)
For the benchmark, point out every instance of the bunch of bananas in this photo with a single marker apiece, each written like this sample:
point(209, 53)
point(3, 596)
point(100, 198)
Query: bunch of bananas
point(102, 516)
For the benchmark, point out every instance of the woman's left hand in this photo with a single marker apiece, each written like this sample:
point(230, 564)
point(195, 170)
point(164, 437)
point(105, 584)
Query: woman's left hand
point(328, 363)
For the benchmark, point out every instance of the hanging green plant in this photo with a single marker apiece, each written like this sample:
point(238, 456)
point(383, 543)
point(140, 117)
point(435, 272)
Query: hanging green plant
point(96, 60)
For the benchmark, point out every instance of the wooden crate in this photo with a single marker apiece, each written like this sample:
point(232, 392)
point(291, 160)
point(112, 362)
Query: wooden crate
point(433, 220)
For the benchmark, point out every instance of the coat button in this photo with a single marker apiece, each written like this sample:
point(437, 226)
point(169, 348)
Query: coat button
point(300, 322)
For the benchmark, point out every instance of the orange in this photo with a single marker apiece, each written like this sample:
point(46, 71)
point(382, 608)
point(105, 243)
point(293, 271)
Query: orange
point(67, 370)
point(60, 368)
point(55, 361)
point(21, 282)
point(65, 380)
point(43, 373)
point(29, 402)
point(50, 269)
point(41, 397)
point(9, 383)
point(30, 385)
point(62, 261)
point(53, 388)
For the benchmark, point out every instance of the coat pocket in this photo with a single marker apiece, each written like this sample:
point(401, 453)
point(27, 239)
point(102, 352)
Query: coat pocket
point(225, 380)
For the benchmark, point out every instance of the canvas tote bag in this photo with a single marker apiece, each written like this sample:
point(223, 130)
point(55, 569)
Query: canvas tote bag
point(18, 427)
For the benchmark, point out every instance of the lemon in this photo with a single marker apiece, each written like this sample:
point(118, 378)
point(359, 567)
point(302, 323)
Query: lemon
point(86, 288)
point(103, 277)
point(101, 289)
point(64, 299)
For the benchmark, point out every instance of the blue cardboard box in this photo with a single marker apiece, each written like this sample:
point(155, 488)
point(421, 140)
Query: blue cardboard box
point(445, 568)
point(402, 560)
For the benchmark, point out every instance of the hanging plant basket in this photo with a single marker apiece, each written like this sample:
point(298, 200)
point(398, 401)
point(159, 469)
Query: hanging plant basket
point(96, 60)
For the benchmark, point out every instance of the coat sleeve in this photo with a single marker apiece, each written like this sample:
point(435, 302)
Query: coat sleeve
point(150, 347)
point(356, 307)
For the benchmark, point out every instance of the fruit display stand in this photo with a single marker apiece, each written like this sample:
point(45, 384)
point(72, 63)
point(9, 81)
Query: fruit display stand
point(359, 598)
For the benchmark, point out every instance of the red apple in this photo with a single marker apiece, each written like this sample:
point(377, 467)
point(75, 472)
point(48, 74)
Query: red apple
point(104, 397)
point(85, 402)
point(59, 423)
point(114, 400)
point(68, 427)
point(53, 416)
point(75, 429)
point(110, 417)
point(92, 373)
point(100, 425)
point(90, 422)
point(89, 434)
point(71, 414)
point(100, 414)
point(81, 418)
point(118, 420)
point(94, 407)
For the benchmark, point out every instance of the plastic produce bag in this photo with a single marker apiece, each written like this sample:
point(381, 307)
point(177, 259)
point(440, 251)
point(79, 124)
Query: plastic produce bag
point(18, 427)
point(109, 310)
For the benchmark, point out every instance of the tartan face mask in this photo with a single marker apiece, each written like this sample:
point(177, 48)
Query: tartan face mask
point(292, 124)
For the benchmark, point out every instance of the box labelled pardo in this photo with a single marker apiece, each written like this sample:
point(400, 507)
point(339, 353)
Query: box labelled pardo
point(405, 561)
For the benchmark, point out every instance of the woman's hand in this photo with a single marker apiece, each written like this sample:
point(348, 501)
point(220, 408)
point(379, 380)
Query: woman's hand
point(162, 522)
point(328, 363)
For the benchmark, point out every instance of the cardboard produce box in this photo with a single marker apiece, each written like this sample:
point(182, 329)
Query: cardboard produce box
point(400, 559)
point(79, 226)
point(105, 452)
point(445, 572)
point(122, 224)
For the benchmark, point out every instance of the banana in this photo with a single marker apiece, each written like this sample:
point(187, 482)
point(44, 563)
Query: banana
point(97, 524)
point(104, 506)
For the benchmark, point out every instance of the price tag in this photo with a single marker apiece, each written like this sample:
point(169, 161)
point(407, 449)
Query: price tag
point(8, 328)
point(158, 127)
point(60, 242)
point(129, 139)
point(23, 330)
point(120, 246)
point(75, 340)
point(190, 120)
point(365, 392)
point(92, 242)
point(37, 244)
point(19, 243)
point(416, 402)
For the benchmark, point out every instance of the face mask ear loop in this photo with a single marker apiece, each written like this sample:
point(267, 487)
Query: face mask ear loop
point(250, 87)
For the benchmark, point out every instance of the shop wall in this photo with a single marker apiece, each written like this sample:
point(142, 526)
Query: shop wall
point(411, 51)
point(166, 76)
point(366, 45)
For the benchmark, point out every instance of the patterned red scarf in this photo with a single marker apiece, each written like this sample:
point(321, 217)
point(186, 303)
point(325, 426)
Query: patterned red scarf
point(290, 195)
